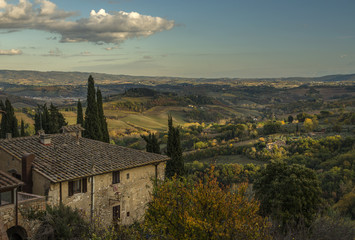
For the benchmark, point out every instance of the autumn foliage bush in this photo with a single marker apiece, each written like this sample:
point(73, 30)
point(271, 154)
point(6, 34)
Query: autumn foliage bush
point(181, 209)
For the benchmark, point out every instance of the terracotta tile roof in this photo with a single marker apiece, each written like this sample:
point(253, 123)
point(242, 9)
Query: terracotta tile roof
point(8, 182)
point(68, 157)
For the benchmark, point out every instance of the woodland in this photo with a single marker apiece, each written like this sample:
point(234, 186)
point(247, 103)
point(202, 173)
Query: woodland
point(250, 158)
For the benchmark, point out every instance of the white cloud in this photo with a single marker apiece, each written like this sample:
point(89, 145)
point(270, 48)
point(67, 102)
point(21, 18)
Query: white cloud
point(2, 4)
point(10, 52)
point(100, 27)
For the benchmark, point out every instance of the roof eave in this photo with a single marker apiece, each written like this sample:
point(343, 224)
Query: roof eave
point(105, 172)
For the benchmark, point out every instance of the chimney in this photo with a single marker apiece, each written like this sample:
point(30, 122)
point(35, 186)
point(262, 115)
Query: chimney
point(41, 132)
point(27, 161)
point(74, 130)
point(8, 135)
point(45, 139)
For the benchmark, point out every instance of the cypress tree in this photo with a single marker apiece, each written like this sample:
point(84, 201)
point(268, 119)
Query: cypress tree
point(152, 143)
point(56, 120)
point(38, 118)
point(22, 129)
point(100, 109)
point(51, 121)
point(155, 144)
point(3, 121)
point(42, 118)
point(79, 115)
point(92, 121)
point(9, 121)
point(176, 163)
point(45, 118)
point(170, 136)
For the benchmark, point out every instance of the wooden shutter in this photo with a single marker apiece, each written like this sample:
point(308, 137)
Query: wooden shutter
point(70, 188)
point(116, 213)
point(85, 185)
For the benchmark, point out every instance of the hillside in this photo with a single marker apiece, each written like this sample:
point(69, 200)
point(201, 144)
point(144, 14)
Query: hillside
point(134, 105)
point(37, 78)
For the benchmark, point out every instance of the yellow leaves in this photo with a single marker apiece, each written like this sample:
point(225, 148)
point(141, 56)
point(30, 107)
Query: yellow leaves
point(203, 210)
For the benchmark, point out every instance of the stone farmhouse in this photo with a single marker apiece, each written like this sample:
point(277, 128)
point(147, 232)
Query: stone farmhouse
point(108, 183)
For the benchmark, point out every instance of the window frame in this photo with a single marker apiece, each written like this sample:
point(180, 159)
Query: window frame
point(116, 213)
point(116, 177)
point(6, 194)
point(77, 186)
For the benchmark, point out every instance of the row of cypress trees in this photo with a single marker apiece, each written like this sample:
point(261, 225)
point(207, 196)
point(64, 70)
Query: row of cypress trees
point(50, 120)
point(95, 122)
point(175, 166)
point(152, 143)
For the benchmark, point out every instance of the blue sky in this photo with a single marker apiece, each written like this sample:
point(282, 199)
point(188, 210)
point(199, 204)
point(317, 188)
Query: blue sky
point(239, 38)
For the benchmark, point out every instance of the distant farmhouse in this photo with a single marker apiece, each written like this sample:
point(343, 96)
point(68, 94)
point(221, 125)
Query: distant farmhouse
point(106, 182)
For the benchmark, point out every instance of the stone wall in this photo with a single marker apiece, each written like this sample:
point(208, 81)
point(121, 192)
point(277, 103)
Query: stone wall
point(8, 215)
point(3, 234)
point(8, 162)
point(41, 185)
point(35, 203)
point(132, 194)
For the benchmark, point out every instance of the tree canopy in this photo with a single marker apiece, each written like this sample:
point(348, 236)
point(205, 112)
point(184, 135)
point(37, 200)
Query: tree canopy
point(290, 194)
point(152, 143)
point(176, 163)
point(79, 114)
point(59, 222)
point(50, 120)
point(9, 122)
point(92, 121)
point(102, 118)
point(95, 122)
point(204, 210)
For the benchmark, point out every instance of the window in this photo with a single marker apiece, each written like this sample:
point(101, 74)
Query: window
point(116, 213)
point(127, 214)
point(6, 198)
point(127, 175)
point(116, 177)
point(85, 185)
point(77, 186)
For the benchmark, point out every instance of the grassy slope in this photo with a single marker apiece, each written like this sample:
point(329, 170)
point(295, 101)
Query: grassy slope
point(155, 119)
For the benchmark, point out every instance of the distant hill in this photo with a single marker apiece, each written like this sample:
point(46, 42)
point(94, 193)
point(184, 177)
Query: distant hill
point(51, 78)
point(37, 78)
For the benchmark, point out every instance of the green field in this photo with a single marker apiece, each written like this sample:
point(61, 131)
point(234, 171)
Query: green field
point(154, 119)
